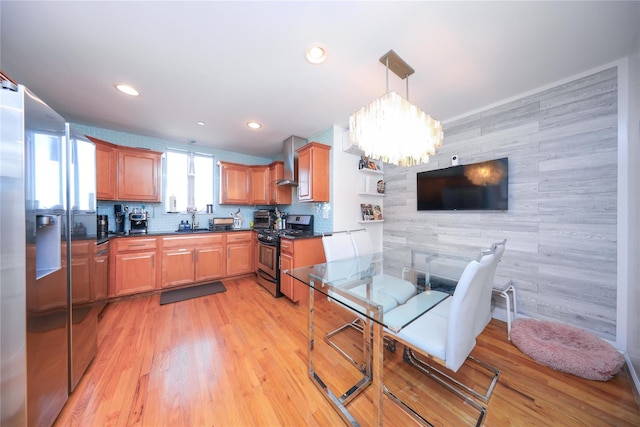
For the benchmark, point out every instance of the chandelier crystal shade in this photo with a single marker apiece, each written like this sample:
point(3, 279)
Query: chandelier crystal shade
point(392, 129)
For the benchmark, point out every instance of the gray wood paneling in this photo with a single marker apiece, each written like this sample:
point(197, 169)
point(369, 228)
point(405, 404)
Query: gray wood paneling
point(561, 224)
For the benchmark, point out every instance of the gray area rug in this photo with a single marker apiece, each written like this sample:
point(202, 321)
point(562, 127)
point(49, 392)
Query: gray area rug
point(168, 297)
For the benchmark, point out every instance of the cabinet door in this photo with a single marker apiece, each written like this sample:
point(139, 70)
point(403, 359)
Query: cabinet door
point(139, 175)
point(304, 175)
point(239, 258)
point(210, 263)
point(234, 184)
point(101, 278)
point(177, 267)
point(278, 194)
point(313, 172)
point(286, 281)
point(259, 185)
point(134, 272)
point(106, 168)
point(81, 279)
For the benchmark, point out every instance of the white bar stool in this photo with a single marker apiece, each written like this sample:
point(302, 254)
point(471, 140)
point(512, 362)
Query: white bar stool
point(503, 291)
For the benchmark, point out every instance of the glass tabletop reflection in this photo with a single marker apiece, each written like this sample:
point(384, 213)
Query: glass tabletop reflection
point(387, 287)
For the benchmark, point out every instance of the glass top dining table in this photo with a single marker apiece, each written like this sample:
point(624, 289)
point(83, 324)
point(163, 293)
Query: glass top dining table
point(389, 281)
point(387, 291)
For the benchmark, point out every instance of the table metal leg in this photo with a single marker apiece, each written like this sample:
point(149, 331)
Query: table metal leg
point(372, 362)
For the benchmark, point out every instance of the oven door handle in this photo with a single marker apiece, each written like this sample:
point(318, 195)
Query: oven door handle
point(265, 276)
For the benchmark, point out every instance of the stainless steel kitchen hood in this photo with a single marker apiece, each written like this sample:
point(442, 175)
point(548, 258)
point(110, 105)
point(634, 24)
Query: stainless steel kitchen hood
point(289, 155)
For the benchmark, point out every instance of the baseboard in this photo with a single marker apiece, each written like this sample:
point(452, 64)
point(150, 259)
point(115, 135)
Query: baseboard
point(634, 377)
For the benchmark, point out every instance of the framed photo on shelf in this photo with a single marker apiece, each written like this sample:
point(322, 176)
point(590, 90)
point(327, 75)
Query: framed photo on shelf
point(367, 211)
point(377, 213)
point(367, 163)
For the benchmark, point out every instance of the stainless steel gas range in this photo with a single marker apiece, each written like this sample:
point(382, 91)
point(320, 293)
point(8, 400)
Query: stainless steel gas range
point(269, 250)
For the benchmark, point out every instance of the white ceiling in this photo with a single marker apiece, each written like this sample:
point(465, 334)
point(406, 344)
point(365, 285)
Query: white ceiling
point(226, 63)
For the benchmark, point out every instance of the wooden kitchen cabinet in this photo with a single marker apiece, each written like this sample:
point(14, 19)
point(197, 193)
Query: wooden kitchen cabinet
point(126, 173)
point(234, 184)
point(210, 263)
point(106, 169)
point(101, 272)
point(278, 194)
point(189, 259)
point(313, 172)
point(139, 175)
point(296, 253)
point(133, 269)
point(82, 252)
point(259, 185)
point(239, 253)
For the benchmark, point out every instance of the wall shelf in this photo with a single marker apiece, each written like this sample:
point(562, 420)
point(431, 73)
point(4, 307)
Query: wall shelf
point(370, 221)
point(371, 171)
point(371, 194)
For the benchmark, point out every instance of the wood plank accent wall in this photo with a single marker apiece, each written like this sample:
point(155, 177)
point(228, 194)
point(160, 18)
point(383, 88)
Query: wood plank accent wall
point(561, 223)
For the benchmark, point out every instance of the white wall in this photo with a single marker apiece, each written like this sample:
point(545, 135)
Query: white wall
point(562, 249)
point(346, 183)
point(630, 299)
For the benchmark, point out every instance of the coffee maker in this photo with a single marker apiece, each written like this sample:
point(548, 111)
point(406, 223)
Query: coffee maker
point(119, 212)
point(139, 221)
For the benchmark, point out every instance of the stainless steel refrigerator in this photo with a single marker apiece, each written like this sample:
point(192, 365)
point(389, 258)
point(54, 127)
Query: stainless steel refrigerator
point(37, 224)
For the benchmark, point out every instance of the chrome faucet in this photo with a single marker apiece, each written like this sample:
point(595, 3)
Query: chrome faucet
point(193, 211)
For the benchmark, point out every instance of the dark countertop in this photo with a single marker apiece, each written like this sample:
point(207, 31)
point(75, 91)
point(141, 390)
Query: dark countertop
point(198, 232)
point(312, 236)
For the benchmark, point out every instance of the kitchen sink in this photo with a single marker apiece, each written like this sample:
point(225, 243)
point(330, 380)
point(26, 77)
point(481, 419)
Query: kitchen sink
point(197, 230)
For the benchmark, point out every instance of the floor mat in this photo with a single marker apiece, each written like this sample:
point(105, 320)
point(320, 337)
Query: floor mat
point(176, 295)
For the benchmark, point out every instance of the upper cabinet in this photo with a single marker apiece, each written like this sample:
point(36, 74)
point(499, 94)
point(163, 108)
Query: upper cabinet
point(139, 175)
point(125, 173)
point(234, 184)
point(278, 194)
point(253, 185)
point(313, 172)
point(259, 185)
point(106, 169)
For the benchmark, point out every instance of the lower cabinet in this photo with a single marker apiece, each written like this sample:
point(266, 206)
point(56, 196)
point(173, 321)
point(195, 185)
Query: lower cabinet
point(142, 264)
point(239, 253)
point(295, 253)
point(210, 263)
point(134, 265)
point(188, 259)
point(101, 273)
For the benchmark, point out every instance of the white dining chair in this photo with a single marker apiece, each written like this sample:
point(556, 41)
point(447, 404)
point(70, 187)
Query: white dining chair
point(484, 303)
point(449, 337)
point(338, 246)
point(397, 288)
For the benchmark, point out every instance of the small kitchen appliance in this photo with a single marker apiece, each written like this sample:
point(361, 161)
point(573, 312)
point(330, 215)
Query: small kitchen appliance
point(220, 224)
point(139, 222)
point(263, 219)
point(119, 212)
point(103, 225)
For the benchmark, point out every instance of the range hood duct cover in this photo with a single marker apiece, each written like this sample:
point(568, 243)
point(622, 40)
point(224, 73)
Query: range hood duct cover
point(289, 155)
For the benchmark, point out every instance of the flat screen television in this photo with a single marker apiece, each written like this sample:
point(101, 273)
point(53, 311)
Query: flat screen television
point(478, 186)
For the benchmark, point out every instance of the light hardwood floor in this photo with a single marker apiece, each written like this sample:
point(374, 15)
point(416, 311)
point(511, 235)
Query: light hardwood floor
point(239, 358)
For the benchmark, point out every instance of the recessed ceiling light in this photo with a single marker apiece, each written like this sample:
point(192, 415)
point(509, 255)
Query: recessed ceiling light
point(254, 125)
point(129, 90)
point(316, 54)
point(200, 122)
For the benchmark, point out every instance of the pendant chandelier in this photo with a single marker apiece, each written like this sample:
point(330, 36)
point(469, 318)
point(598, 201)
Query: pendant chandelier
point(392, 129)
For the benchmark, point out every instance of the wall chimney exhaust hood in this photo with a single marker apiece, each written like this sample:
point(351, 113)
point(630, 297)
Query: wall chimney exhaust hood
point(289, 156)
